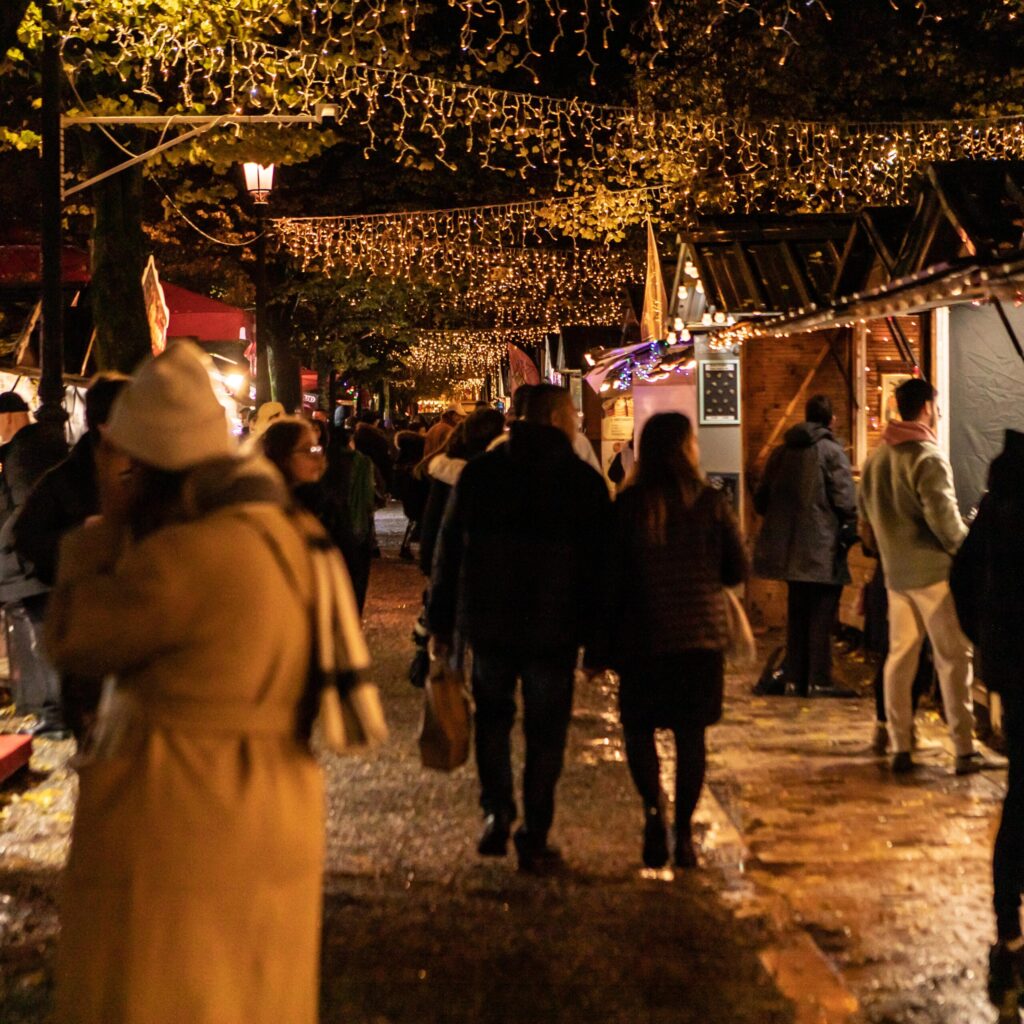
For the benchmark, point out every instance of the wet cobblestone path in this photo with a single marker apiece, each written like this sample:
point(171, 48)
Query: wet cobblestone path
point(830, 891)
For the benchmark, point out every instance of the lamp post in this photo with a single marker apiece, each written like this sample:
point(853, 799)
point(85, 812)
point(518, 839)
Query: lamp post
point(259, 181)
point(51, 384)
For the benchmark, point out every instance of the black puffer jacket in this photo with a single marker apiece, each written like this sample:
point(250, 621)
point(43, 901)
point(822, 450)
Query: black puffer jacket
point(64, 498)
point(809, 504)
point(26, 457)
point(987, 578)
point(519, 562)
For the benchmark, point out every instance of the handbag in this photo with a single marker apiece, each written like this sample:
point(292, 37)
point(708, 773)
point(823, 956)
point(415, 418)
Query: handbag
point(444, 732)
point(741, 649)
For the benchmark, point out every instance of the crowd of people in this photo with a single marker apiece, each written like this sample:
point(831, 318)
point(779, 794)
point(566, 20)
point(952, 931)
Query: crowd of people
point(125, 563)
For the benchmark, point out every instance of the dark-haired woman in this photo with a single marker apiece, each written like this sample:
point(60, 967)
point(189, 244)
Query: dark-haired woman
point(336, 486)
point(676, 545)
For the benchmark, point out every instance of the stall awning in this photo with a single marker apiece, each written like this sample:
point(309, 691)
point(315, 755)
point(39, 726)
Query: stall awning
point(196, 316)
point(20, 265)
point(917, 293)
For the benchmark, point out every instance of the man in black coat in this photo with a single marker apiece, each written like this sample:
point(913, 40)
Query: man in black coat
point(987, 581)
point(517, 574)
point(809, 504)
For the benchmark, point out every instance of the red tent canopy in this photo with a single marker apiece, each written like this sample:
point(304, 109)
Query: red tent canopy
point(196, 316)
point(19, 265)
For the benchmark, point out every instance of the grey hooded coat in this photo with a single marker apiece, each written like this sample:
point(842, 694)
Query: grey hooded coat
point(809, 504)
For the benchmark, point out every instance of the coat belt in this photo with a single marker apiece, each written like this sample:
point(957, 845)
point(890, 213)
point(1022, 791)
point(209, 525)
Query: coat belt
point(240, 718)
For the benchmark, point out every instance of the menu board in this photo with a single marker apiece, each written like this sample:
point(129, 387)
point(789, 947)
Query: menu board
point(719, 392)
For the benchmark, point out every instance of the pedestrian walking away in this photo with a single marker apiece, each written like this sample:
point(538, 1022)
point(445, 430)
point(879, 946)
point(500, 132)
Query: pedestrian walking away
point(517, 574)
point(809, 505)
point(987, 581)
point(911, 518)
point(675, 545)
point(194, 878)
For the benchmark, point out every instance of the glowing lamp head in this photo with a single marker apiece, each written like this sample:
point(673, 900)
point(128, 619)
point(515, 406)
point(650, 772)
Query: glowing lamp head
point(259, 181)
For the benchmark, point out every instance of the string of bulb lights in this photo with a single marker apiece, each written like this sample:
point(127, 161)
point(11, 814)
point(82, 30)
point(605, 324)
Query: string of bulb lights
point(456, 354)
point(741, 165)
point(484, 258)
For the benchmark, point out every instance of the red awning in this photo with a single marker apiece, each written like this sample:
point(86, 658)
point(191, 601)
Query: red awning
point(196, 316)
point(20, 265)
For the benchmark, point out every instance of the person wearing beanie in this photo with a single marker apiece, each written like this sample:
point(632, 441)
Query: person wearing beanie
point(193, 886)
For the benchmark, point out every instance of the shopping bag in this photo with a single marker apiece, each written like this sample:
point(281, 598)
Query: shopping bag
point(444, 734)
point(741, 652)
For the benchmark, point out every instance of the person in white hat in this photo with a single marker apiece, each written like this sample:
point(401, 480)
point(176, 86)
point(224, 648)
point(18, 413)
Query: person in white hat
point(193, 887)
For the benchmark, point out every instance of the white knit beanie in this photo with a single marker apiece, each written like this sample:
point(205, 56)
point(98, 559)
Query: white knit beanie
point(169, 416)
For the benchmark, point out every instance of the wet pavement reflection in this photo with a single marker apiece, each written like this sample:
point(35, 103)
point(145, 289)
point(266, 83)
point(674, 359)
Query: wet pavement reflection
point(831, 891)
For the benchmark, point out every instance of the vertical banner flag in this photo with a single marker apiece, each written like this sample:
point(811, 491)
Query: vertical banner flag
point(521, 369)
point(652, 322)
point(157, 312)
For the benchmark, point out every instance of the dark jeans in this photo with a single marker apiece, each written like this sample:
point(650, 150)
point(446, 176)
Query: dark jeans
point(35, 684)
point(547, 708)
point(810, 616)
point(1008, 854)
point(691, 762)
point(358, 559)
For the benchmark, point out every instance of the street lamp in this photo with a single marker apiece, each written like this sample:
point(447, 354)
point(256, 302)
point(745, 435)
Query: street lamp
point(259, 180)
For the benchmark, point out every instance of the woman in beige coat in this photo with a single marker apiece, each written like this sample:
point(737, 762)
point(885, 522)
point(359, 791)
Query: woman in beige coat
point(193, 888)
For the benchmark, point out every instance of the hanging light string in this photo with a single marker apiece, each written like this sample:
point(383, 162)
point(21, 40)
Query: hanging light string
point(488, 262)
point(454, 355)
point(384, 243)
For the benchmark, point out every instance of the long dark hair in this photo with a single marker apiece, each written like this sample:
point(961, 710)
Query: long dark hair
point(280, 439)
point(665, 478)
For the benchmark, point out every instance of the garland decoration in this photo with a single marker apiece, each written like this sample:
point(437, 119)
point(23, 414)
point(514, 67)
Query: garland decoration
point(461, 354)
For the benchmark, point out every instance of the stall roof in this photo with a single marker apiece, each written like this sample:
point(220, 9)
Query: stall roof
point(20, 265)
point(197, 316)
point(768, 263)
point(963, 242)
point(965, 210)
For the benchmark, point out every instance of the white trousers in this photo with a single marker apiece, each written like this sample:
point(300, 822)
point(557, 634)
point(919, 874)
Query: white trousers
point(912, 614)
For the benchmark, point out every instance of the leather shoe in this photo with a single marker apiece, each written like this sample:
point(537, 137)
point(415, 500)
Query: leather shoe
point(494, 838)
point(537, 858)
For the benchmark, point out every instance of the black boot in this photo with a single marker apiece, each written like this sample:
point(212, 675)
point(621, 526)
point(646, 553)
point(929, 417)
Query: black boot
point(655, 852)
point(1005, 984)
point(536, 856)
point(685, 855)
point(494, 838)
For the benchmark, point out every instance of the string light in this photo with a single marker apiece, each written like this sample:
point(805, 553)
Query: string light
point(481, 258)
point(457, 355)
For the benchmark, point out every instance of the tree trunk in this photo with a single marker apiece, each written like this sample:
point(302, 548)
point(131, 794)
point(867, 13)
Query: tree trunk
point(285, 365)
point(119, 251)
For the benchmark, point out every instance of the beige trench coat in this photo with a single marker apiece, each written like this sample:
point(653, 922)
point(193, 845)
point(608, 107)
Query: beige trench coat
point(193, 888)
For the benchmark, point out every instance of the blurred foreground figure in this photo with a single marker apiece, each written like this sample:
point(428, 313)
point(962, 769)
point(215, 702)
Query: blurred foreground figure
point(988, 586)
point(675, 545)
point(193, 883)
